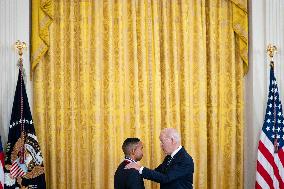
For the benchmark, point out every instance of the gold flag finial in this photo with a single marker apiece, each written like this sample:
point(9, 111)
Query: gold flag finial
point(271, 50)
point(20, 47)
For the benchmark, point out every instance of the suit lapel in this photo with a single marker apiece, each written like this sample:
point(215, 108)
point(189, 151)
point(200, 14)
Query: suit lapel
point(176, 157)
point(173, 161)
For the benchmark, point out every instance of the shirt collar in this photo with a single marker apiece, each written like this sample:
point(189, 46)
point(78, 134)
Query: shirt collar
point(129, 159)
point(176, 151)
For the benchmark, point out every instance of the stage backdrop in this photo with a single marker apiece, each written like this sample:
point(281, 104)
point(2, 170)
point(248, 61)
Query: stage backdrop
point(107, 70)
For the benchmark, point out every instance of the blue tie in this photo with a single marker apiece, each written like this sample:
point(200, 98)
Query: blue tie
point(169, 160)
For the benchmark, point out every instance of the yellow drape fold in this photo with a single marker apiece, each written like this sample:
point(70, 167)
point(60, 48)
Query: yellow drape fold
point(240, 25)
point(118, 69)
point(42, 17)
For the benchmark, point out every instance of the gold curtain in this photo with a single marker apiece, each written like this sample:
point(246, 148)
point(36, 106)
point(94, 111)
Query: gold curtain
point(116, 69)
point(42, 16)
point(240, 26)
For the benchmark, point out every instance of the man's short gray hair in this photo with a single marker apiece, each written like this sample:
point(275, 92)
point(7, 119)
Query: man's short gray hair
point(172, 133)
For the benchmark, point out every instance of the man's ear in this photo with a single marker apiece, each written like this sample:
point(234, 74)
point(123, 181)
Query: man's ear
point(133, 151)
point(173, 140)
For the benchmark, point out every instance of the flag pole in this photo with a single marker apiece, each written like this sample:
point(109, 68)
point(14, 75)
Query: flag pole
point(20, 47)
point(271, 50)
point(23, 162)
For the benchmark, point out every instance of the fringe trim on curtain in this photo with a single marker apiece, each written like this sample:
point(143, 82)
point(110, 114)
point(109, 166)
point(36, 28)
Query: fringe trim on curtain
point(240, 26)
point(42, 17)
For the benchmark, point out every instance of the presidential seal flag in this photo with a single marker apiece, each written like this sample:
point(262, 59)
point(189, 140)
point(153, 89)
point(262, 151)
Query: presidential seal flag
point(23, 161)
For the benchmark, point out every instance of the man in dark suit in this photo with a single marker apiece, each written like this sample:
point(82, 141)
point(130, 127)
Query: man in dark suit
point(129, 178)
point(176, 171)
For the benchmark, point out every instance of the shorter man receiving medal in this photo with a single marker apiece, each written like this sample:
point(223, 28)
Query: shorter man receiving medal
point(129, 178)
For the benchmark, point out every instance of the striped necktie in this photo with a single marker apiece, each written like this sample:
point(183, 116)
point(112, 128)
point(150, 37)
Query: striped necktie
point(169, 160)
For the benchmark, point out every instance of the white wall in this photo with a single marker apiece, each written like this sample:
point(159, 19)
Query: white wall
point(14, 25)
point(266, 25)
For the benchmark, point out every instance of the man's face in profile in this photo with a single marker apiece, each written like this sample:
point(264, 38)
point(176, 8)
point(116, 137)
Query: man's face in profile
point(167, 144)
point(138, 151)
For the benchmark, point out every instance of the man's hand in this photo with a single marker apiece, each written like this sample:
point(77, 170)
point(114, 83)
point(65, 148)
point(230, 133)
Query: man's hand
point(133, 166)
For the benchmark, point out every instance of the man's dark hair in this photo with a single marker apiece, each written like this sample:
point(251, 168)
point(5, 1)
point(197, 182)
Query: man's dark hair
point(129, 144)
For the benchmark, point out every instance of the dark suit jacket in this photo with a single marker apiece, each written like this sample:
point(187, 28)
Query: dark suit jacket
point(178, 174)
point(127, 178)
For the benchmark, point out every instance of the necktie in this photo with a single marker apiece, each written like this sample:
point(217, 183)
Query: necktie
point(169, 160)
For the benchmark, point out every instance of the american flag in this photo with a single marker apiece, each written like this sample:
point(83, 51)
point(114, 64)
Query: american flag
point(270, 158)
point(1, 166)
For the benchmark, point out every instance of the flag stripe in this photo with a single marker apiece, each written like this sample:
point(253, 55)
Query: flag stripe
point(257, 186)
point(264, 174)
point(276, 157)
point(271, 160)
point(281, 158)
point(268, 170)
point(1, 168)
point(16, 170)
point(280, 167)
point(261, 182)
point(2, 175)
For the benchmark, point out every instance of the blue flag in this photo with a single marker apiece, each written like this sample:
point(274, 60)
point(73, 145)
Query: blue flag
point(23, 162)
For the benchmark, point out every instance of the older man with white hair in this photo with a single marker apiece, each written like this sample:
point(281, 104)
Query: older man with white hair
point(176, 171)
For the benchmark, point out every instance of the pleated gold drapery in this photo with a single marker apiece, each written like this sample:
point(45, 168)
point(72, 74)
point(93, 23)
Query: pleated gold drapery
point(42, 16)
point(118, 69)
